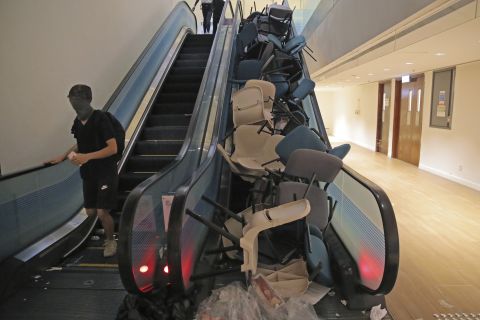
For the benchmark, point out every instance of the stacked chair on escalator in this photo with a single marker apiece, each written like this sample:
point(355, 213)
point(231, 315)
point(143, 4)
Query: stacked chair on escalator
point(279, 234)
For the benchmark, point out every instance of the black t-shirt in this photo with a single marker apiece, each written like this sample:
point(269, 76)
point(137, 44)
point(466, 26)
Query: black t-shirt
point(91, 137)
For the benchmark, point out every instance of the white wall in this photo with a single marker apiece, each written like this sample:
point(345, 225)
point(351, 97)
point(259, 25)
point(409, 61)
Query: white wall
point(339, 26)
point(352, 114)
point(455, 153)
point(326, 104)
point(47, 46)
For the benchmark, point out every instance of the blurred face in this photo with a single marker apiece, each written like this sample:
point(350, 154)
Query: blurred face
point(82, 107)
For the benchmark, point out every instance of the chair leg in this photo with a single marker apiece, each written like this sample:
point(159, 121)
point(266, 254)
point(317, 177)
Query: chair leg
point(214, 227)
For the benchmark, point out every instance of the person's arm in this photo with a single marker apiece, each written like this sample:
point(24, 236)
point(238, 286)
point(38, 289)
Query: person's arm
point(109, 150)
point(63, 156)
point(193, 9)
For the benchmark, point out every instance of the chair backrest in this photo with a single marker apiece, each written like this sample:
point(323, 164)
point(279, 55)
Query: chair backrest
point(294, 45)
point(305, 87)
point(248, 142)
point(249, 69)
point(304, 162)
point(281, 84)
point(268, 90)
point(291, 191)
point(267, 219)
point(246, 37)
point(275, 41)
point(248, 107)
point(299, 138)
point(267, 52)
point(279, 12)
point(340, 151)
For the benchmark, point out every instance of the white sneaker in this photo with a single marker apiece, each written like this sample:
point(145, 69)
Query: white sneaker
point(110, 248)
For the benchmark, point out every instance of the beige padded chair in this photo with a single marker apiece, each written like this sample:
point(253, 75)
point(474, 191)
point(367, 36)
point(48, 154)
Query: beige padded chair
point(247, 105)
point(253, 150)
point(267, 219)
point(268, 90)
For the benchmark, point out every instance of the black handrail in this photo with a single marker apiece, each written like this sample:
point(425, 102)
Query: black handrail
point(24, 171)
point(107, 104)
point(179, 200)
point(389, 223)
point(133, 199)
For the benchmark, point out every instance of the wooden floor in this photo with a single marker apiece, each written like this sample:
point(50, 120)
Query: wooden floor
point(439, 228)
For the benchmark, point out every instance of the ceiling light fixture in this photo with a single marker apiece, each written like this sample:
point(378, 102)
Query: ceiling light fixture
point(409, 63)
point(439, 54)
point(371, 74)
point(357, 77)
point(386, 69)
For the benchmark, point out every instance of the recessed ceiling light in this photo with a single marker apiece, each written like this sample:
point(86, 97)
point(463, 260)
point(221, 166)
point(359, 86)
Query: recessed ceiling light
point(409, 63)
point(371, 74)
point(439, 54)
point(357, 77)
point(348, 80)
point(386, 69)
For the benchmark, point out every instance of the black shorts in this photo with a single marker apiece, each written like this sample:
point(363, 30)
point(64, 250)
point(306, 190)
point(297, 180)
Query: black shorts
point(100, 193)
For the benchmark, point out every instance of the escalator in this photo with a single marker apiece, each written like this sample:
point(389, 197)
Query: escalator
point(163, 134)
point(86, 285)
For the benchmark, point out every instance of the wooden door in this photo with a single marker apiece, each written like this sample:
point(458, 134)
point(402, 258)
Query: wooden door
point(383, 116)
point(410, 121)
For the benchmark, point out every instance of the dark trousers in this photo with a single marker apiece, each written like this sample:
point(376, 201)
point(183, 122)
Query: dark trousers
point(207, 15)
point(216, 19)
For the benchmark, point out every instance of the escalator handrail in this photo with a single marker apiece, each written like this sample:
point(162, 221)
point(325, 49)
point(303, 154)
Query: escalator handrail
point(110, 101)
point(133, 199)
point(385, 207)
point(181, 194)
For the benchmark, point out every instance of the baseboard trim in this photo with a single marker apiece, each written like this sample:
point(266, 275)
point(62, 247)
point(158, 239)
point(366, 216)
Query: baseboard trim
point(462, 181)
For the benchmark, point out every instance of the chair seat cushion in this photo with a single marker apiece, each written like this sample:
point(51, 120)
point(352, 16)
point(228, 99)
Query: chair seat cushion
point(318, 255)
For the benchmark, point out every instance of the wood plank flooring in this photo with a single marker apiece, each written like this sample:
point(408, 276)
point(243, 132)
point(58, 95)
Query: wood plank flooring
point(439, 228)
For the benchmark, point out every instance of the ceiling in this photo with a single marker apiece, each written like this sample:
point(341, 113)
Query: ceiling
point(457, 45)
point(453, 47)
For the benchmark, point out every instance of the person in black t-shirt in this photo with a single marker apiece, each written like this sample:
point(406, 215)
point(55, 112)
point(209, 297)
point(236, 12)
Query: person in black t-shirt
point(217, 7)
point(95, 154)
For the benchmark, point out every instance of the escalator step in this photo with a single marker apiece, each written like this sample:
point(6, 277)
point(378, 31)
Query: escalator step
point(148, 163)
point(164, 133)
point(177, 97)
point(190, 63)
point(201, 49)
point(199, 70)
point(181, 87)
point(184, 77)
point(172, 108)
point(129, 180)
point(168, 120)
point(158, 147)
point(196, 43)
point(194, 56)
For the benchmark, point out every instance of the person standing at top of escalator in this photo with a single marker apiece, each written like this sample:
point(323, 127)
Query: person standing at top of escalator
point(95, 153)
point(217, 7)
point(207, 13)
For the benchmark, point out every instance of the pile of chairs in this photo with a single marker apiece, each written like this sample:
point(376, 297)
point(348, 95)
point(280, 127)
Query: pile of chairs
point(280, 232)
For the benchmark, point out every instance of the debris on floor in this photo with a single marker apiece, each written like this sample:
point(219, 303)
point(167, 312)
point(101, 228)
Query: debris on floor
point(234, 302)
point(377, 313)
